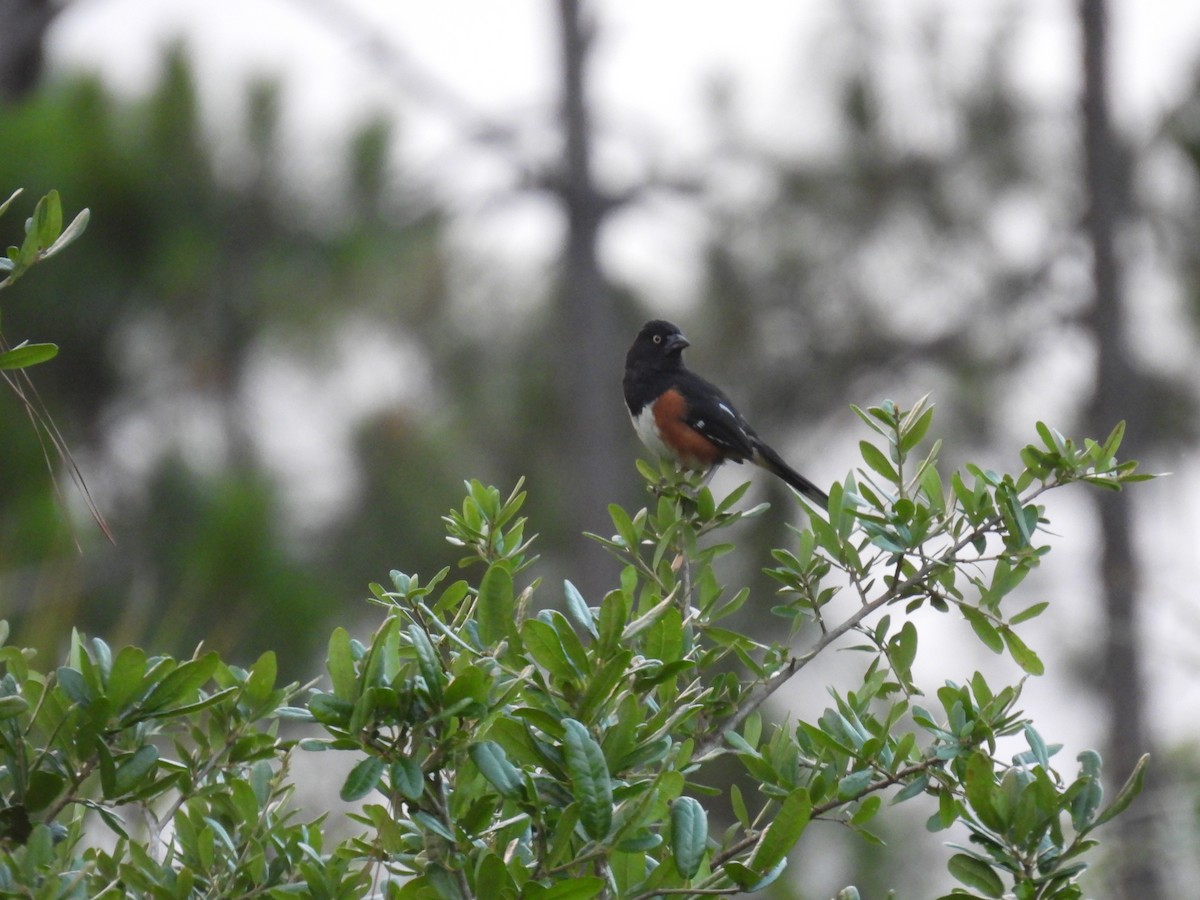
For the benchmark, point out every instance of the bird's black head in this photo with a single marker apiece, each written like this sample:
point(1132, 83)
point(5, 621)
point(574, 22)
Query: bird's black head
point(658, 341)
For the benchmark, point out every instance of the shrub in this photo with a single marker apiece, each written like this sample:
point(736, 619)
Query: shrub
point(506, 750)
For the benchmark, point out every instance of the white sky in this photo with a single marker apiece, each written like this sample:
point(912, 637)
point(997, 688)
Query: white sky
point(650, 74)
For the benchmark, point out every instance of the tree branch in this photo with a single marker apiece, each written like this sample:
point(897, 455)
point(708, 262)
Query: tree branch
point(898, 589)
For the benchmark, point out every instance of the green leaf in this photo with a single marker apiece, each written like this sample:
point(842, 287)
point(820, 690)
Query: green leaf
point(1038, 746)
point(471, 685)
point(545, 647)
point(983, 628)
point(1021, 654)
point(749, 880)
point(180, 711)
point(24, 355)
point(362, 779)
point(877, 460)
point(39, 850)
point(7, 203)
point(572, 647)
point(854, 784)
point(74, 685)
point(741, 745)
point(741, 875)
point(915, 432)
point(1021, 520)
point(44, 787)
point(428, 662)
point(134, 769)
point(125, 678)
point(490, 871)
point(575, 888)
point(982, 792)
point(452, 596)
point(783, 832)
point(614, 613)
point(1088, 792)
point(408, 778)
point(108, 769)
point(73, 231)
point(872, 416)
point(977, 874)
point(866, 810)
point(589, 778)
point(903, 647)
point(261, 776)
point(626, 530)
point(601, 686)
point(182, 684)
point(564, 838)
point(1050, 437)
point(648, 618)
point(1026, 614)
point(47, 220)
point(1113, 442)
point(429, 823)
point(12, 705)
point(339, 661)
point(1126, 795)
point(665, 640)
point(491, 760)
point(578, 608)
point(689, 835)
point(738, 804)
point(261, 681)
point(245, 803)
point(330, 709)
point(496, 612)
point(914, 788)
point(738, 599)
point(620, 737)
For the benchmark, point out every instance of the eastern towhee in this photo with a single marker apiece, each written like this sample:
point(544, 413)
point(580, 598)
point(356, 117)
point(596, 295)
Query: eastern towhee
point(679, 415)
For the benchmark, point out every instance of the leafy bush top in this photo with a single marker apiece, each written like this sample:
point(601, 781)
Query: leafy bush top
point(569, 750)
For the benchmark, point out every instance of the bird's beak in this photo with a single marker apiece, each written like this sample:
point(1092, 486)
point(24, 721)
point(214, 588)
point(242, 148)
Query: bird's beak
point(677, 342)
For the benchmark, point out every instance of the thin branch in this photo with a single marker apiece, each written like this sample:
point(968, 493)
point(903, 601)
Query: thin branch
point(44, 428)
point(896, 778)
point(798, 661)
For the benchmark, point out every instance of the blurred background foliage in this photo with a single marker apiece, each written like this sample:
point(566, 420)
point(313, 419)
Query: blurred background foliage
point(194, 279)
point(208, 287)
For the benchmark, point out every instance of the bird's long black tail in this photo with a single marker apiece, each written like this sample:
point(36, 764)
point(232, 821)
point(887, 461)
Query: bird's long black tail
point(771, 461)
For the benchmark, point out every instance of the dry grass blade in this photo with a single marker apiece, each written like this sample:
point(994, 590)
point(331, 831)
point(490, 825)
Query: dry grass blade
point(49, 437)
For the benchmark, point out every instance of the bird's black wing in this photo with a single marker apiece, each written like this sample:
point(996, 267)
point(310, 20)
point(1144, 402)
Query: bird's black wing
point(713, 414)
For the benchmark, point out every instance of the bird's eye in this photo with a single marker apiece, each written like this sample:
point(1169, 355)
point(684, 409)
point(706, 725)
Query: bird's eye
point(658, 339)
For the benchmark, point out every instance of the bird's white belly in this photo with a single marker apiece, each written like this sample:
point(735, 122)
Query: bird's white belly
point(647, 431)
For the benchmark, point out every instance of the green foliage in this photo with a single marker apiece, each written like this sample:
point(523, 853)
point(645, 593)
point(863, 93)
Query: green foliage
point(178, 760)
point(507, 749)
point(203, 272)
point(44, 237)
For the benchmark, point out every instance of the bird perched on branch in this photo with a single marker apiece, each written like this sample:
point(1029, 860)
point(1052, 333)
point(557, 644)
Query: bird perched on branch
point(679, 415)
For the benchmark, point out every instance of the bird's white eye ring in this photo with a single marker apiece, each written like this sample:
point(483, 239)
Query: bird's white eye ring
point(658, 339)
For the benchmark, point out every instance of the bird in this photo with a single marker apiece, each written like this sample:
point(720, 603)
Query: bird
point(681, 416)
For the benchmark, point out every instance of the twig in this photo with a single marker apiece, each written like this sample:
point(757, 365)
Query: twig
point(797, 662)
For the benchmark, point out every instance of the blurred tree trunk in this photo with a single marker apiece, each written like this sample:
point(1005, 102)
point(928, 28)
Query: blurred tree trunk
point(589, 353)
point(1116, 396)
point(23, 26)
